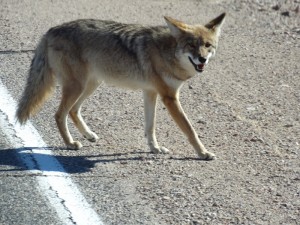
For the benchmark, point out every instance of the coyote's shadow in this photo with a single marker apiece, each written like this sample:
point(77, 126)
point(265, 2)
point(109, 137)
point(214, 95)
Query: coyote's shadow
point(18, 158)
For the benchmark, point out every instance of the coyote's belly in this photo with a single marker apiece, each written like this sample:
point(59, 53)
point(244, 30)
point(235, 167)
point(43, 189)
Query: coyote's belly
point(126, 78)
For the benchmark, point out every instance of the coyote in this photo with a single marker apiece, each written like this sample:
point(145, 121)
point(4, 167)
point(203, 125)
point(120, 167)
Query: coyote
point(82, 54)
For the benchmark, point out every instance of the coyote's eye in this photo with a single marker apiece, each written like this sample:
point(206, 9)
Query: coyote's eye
point(207, 45)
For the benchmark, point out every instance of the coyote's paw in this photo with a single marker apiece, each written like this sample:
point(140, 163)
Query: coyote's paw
point(91, 136)
point(160, 150)
point(75, 145)
point(207, 155)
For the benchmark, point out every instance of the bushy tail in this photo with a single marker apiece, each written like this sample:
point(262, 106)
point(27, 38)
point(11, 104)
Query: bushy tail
point(40, 84)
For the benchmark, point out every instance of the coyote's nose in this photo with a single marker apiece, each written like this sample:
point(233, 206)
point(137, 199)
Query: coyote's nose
point(201, 59)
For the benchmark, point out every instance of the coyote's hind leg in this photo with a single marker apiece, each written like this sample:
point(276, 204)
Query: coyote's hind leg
point(76, 115)
point(71, 92)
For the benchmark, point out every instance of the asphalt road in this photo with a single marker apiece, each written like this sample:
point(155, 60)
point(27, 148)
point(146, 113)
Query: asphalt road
point(245, 107)
point(21, 201)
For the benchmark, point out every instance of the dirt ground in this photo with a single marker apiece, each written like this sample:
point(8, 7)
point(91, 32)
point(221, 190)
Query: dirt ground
point(245, 107)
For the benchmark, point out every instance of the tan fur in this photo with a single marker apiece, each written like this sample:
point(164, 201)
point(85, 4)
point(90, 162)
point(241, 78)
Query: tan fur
point(39, 86)
point(82, 54)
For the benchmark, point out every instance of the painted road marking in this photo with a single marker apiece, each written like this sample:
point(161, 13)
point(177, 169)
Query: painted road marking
point(54, 181)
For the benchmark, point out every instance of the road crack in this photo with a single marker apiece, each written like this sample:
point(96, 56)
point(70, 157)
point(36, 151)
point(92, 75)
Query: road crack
point(7, 52)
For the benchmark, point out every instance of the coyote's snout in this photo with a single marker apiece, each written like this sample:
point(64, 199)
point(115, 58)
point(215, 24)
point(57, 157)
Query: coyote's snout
point(157, 59)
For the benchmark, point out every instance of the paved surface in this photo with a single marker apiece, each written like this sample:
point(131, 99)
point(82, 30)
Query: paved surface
point(245, 107)
point(21, 202)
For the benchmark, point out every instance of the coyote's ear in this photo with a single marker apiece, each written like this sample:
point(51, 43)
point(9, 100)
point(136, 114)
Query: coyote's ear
point(176, 27)
point(216, 24)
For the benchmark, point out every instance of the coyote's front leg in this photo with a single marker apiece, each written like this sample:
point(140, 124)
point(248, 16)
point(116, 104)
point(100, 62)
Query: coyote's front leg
point(176, 111)
point(150, 111)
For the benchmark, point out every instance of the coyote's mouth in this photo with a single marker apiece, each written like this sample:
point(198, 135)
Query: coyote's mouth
point(198, 67)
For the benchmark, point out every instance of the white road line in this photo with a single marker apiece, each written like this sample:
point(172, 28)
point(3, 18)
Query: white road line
point(54, 182)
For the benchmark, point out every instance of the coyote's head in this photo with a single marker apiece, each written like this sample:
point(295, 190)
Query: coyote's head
point(195, 43)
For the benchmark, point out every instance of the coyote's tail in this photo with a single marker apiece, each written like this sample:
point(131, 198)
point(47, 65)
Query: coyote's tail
point(40, 84)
